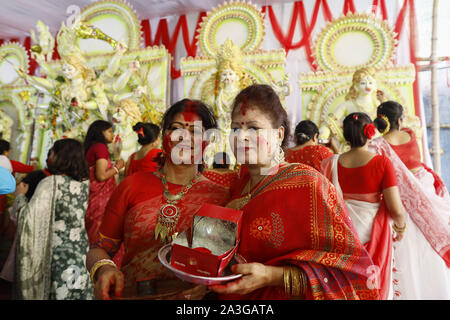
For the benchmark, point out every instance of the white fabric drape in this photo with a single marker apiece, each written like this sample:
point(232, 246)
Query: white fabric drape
point(362, 214)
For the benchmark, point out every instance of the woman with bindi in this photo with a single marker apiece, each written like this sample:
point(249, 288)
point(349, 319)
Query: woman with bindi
point(289, 212)
point(149, 209)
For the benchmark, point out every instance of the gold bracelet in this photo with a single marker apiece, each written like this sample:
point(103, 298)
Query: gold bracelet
point(398, 229)
point(286, 280)
point(99, 264)
point(295, 281)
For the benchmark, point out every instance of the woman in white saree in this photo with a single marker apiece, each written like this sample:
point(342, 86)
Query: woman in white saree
point(423, 257)
point(368, 185)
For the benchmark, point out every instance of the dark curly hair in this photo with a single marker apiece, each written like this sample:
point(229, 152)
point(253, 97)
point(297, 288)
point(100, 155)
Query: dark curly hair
point(69, 159)
point(149, 133)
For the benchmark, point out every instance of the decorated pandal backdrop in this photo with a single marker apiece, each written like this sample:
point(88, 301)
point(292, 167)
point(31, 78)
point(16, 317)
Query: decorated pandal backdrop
point(324, 58)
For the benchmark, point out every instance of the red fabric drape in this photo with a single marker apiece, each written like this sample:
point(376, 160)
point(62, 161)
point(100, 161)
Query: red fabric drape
point(298, 18)
point(380, 249)
point(349, 6)
point(382, 5)
point(33, 63)
point(162, 37)
point(299, 12)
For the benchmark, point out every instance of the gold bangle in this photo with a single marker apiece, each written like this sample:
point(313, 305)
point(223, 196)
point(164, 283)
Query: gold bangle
point(295, 282)
point(286, 280)
point(99, 264)
point(398, 229)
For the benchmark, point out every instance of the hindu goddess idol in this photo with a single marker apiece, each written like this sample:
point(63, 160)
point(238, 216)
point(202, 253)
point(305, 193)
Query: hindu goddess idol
point(363, 96)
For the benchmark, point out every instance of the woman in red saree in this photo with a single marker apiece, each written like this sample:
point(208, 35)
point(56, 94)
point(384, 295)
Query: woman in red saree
point(423, 256)
point(144, 158)
point(296, 235)
point(148, 209)
point(308, 150)
point(372, 203)
point(101, 173)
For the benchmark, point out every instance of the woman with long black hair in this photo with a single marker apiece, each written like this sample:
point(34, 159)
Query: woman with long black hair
point(101, 173)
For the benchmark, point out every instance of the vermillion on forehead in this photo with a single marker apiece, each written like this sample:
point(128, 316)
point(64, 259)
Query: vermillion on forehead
point(244, 110)
point(244, 107)
point(186, 118)
point(190, 114)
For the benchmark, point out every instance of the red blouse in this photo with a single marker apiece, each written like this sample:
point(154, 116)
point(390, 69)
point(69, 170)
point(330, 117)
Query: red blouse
point(378, 174)
point(311, 155)
point(145, 164)
point(409, 152)
point(95, 152)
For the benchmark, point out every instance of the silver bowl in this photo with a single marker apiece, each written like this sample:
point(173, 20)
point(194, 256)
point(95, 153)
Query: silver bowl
point(164, 256)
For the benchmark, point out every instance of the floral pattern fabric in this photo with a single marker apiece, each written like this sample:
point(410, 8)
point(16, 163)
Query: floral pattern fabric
point(65, 246)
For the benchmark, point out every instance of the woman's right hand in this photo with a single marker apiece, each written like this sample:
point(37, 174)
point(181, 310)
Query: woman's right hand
point(119, 164)
point(108, 278)
point(398, 236)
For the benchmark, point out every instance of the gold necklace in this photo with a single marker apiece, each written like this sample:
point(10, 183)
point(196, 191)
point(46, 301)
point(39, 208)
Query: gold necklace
point(246, 199)
point(169, 213)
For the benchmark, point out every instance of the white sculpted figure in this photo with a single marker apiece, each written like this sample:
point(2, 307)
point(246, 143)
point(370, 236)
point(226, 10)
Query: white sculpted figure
point(229, 80)
point(46, 41)
point(363, 96)
point(127, 115)
point(6, 123)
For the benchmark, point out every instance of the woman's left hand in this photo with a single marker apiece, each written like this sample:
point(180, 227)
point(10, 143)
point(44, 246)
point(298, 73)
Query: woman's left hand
point(255, 276)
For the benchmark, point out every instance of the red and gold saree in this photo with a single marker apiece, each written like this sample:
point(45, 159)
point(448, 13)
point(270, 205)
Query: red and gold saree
point(298, 218)
point(131, 216)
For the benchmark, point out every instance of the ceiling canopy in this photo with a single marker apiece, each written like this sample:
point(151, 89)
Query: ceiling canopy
point(19, 16)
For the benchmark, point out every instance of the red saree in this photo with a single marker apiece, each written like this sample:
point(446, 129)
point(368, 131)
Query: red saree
point(225, 178)
point(99, 194)
point(131, 216)
point(299, 219)
point(311, 155)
